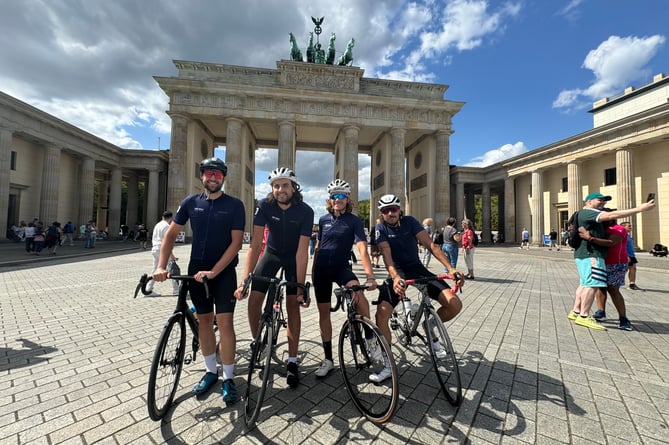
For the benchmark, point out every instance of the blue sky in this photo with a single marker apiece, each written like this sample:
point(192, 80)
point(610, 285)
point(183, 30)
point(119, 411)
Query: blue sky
point(528, 71)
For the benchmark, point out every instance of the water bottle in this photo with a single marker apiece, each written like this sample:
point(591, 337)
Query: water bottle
point(192, 309)
point(407, 306)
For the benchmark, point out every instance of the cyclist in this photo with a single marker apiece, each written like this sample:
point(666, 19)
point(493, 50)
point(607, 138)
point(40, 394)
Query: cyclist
point(289, 221)
point(337, 231)
point(217, 221)
point(397, 236)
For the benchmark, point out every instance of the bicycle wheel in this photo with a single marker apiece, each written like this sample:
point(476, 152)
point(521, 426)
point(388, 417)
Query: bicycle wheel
point(168, 361)
point(443, 357)
point(258, 375)
point(376, 401)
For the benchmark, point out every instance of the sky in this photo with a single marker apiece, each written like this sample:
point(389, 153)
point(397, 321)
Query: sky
point(528, 71)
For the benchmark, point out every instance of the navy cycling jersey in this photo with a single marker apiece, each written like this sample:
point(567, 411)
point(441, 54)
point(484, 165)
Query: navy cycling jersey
point(402, 240)
point(211, 222)
point(285, 226)
point(337, 235)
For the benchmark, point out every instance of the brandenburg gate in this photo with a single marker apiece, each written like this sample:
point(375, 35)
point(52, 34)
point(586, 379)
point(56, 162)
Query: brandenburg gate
point(404, 126)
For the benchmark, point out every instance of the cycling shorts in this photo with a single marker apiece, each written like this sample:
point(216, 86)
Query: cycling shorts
point(268, 266)
point(323, 277)
point(221, 290)
point(434, 287)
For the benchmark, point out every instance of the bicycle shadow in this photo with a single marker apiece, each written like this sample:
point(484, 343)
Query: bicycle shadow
point(496, 396)
point(29, 355)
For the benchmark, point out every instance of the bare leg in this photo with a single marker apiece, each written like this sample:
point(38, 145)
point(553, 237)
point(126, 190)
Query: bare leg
point(294, 324)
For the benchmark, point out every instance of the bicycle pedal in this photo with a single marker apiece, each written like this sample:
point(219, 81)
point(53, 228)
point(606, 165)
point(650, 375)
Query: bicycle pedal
point(394, 324)
point(188, 359)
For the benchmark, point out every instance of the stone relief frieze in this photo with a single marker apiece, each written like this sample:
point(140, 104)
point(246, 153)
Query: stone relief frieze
point(326, 109)
point(308, 80)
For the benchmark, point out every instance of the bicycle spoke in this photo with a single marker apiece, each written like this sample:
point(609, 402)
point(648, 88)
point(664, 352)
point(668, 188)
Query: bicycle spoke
point(357, 361)
point(443, 357)
point(166, 367)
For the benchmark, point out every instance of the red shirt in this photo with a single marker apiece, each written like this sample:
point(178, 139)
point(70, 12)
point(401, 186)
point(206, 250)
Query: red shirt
point(468, 239)
point(617, 254)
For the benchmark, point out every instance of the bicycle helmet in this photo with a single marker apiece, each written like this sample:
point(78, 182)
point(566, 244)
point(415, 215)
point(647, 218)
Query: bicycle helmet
point(388, 200)
point(282, 172)
point(339, 186)
point(214, 164)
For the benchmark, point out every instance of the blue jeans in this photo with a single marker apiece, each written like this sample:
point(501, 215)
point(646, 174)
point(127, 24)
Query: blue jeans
point(451, 252)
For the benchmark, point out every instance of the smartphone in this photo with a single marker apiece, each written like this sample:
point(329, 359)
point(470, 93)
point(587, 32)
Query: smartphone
point(650, 196)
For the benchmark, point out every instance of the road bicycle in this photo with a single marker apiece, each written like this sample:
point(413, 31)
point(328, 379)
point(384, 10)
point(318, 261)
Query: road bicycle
point(405, 320)
point(363, 350)
point(170, 354)
point(264, 342)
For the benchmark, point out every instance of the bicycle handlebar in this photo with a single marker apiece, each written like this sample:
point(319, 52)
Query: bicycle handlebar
point(444, 276)
point(144, 280)
point(339, 293)
point(277, 281)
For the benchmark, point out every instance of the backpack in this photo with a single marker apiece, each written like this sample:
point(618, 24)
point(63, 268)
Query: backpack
point(475, 240)
point(573, 238)
point(438, 237)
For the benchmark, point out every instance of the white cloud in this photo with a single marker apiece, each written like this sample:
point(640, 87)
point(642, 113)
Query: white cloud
point(616, 63)
point(490, 157)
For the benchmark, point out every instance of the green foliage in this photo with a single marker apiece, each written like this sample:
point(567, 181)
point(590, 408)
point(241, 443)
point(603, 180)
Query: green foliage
point(363, 212)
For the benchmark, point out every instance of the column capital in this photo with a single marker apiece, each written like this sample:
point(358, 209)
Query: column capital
point(398, 131)
point(234, 119)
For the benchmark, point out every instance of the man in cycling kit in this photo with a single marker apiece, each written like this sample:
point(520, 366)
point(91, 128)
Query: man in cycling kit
point(217, 221)
point(397, 236)
point(289, 221)
point(337, 231)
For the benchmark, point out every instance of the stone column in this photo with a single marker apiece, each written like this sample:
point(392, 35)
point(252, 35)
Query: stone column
point(152, 199)
point(397, 177)
point(350, 162)
point(486, 230)
point(459, 202)
point(442, 179)
point(233, 157)
point(624, 179)
point(86, 190)
point(470, 206)
point(115, 202)
point(50, 185)
point(537, 209)
point(510, 210)
point(5, 160)
point(287, 145)
point(103, 206)
point(574, 188)
point(131, 209)
point(178, 171)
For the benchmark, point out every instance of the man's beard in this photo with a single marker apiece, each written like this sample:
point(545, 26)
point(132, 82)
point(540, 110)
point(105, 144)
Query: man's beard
point(213, 188)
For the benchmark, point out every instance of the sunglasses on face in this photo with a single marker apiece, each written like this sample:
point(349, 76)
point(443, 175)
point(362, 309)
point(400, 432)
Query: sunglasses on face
point(338, 196)
point(387, 210)
point(213, 174)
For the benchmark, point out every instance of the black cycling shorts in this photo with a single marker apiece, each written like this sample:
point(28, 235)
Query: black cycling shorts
point(268, 266)
point(323, 277)
point(434, 287)
point(221, 290)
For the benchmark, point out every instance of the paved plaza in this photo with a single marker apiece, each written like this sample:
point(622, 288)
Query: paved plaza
point(75, 351)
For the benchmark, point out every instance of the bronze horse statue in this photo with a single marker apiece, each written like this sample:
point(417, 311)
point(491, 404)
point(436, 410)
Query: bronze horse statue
point(347, 58)
point(295, 53)
point(331, 50)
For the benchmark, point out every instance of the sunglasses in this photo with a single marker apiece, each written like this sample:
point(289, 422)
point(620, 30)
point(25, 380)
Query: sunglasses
point(213, 174)
point(338, 196)
point(391, 209)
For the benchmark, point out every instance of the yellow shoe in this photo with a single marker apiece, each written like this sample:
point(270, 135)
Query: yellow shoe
point(572, 315)
point(589, 322)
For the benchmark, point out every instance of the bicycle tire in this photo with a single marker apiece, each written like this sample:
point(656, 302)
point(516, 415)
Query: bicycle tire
point(258, 374)
point(443, 358)
point(166, 367)
point(376, 401)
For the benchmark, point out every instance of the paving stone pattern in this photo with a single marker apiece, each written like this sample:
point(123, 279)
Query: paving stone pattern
point(75, 351)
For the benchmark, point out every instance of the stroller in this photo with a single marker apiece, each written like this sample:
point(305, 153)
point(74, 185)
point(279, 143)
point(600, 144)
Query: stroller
point(659, 250)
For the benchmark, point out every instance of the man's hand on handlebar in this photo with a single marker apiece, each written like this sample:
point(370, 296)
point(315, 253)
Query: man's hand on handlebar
point(160, 274)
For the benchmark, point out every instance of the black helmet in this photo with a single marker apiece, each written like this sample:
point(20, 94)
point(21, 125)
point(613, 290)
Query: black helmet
point(214, 164)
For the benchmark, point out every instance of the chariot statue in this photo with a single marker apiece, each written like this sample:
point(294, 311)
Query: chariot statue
point(295, 53)
point(346, 59)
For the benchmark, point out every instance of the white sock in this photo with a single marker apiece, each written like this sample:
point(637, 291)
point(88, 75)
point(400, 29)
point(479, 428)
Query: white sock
point(292, 360)
point(210, 363)
point(228, 371)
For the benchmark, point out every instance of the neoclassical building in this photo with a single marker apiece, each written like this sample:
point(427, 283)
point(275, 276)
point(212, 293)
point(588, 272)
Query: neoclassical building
point(50, 169)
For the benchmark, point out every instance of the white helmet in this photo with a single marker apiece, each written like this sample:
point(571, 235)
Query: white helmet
point(282, 172)
point(339, 186)
point(388, 200)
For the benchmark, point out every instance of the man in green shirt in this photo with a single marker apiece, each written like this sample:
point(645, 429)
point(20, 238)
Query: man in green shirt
point(589, 256)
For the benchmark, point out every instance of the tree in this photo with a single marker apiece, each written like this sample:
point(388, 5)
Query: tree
point(363, 212)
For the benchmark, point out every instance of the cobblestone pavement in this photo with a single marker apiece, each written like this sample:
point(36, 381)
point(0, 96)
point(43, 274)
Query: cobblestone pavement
point(75, 351)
